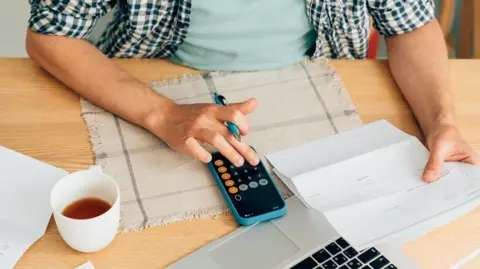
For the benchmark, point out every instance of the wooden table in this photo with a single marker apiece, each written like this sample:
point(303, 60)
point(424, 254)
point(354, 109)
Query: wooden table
point(41, 118)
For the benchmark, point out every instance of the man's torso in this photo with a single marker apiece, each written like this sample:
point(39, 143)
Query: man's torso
point(157, 28)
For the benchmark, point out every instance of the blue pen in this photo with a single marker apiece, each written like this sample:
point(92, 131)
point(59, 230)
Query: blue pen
point(220, 100)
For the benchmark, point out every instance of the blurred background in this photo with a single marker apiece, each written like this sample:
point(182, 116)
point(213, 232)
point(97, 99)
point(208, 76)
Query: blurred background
point(459, 19)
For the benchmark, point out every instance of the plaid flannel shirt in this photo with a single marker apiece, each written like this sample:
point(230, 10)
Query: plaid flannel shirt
point(156, 28)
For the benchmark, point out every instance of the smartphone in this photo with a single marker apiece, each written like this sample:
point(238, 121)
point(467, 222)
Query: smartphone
point(250, 191)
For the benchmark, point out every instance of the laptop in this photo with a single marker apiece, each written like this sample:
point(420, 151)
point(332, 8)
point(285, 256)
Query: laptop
point(301, 239)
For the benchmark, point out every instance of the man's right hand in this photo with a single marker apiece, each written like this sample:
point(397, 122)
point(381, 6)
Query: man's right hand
point(184, 127)
point(88, 72)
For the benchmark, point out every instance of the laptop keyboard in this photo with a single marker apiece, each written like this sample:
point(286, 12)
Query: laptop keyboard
point(340, 255)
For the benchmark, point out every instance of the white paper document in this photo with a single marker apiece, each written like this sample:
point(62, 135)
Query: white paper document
point(24, 203)
point(367, 182)
point(87, 265)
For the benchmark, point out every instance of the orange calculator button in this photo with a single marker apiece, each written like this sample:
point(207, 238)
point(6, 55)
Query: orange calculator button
point(226, 176)
point(218, 162)
point(233, 190)
point(229, 183)
point(222, 169)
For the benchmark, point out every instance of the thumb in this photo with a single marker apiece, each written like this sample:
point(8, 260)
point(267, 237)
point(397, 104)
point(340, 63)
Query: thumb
point(433, 168)
point(247, 106)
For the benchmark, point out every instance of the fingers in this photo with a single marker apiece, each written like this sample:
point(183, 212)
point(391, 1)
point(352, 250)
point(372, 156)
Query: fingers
point(241, 147)
point(236, 114)
point(475, 159)
point(472, 158)
point(434, 165)
point(224, 147)
point(204, 123)
point(196, 150)
point(245, 150)
point(245, 107)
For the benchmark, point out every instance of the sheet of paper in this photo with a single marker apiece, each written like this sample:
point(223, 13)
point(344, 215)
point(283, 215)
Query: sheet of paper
point(358, 165)
point(369, 176)
point(368, 184)
point(423, 227)
point(377, 220)
point(87, 265)
point(24, 203)
point(329, 151)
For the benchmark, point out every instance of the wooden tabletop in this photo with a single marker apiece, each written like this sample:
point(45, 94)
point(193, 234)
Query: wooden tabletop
point(41, 118)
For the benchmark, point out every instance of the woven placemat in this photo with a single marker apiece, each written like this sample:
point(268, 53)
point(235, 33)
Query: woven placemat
point(160, 186)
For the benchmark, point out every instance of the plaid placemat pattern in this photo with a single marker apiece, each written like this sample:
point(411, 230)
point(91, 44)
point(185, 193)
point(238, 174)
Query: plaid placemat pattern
point(160, 186)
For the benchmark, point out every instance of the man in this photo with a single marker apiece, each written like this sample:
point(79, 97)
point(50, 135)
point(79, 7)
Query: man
point(242, 35)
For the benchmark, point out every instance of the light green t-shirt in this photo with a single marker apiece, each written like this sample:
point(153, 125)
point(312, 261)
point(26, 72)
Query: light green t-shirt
point(246, 35)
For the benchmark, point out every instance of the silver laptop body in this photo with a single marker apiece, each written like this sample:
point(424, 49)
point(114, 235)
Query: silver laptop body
point(283, 243)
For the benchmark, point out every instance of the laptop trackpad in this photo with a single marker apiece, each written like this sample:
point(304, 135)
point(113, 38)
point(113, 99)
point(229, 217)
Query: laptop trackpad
point(260, 246)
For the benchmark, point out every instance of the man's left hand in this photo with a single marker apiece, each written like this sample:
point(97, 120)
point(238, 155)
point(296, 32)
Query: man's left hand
point(446, 144)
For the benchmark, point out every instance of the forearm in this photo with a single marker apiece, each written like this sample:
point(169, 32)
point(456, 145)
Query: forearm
point(419, 64)
point(85, 70)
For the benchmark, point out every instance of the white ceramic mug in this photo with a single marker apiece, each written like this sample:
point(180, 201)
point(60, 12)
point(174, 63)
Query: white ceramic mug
point(86, 235)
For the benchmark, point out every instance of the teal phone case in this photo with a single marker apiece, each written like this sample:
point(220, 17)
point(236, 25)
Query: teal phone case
point(248, 221)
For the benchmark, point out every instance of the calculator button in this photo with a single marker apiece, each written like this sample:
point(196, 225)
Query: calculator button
point(232, 166)
point(226, 176)
point(222, 169)
point(253, 184)
point(238, 197)
point(229, 183)
point(245, 171)
point(233, 190)
point(235, 173)
point(249, 178)
point(218, 162)
point(263, 182)
point(243, 187)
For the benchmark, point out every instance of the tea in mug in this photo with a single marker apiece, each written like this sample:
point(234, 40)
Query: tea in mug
point(86, 208)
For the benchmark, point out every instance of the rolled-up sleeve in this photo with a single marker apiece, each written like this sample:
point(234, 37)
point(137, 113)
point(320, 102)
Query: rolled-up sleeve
point(394, 17)
point(73, 18)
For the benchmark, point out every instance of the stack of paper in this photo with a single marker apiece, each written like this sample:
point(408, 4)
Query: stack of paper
point(25, 210)
point(368, 184)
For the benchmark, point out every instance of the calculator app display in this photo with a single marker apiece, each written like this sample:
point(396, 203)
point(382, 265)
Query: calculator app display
point(250, 188)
